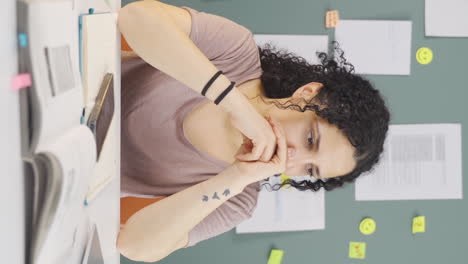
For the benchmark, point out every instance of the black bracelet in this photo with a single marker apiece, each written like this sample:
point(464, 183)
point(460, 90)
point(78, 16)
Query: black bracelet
point(224, 93)
point(210, 82)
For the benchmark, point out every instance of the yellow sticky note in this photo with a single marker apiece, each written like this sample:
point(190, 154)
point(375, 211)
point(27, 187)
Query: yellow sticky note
point(419, 224)
point(357, 250)
point(276, 256)
point(283, 178)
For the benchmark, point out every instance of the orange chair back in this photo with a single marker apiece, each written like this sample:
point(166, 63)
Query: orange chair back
point(123, 44)
point(131, 205)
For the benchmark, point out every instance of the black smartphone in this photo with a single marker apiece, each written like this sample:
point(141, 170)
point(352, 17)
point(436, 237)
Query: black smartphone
point(101, 116)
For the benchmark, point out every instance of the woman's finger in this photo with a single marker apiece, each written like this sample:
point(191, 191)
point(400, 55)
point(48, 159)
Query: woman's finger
point(266, 152)
point(282, 147)
point(258, 151)
point(254, 154)
point(269, 151)
point(271, 144)
point(270, 147)
point(244, 149)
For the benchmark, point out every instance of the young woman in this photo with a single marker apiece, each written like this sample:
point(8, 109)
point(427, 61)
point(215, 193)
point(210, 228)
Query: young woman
point(267, 112)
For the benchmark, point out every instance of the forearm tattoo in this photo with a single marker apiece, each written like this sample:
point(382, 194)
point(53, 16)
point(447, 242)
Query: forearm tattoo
point(215, 196)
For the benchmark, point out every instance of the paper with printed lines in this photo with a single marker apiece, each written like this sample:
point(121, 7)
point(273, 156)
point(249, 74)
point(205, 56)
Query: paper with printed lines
point(420, 162)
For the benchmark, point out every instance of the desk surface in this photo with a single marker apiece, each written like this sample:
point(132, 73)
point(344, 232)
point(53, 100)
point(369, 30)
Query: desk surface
point(435, 93)
point(104, 210)
point(12, 224)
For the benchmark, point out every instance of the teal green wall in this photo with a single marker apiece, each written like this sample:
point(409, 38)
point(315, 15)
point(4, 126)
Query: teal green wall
point(435, 93)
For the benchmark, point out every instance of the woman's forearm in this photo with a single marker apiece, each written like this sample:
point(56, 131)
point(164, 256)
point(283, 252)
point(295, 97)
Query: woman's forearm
point(157, 39)
point(155, 231)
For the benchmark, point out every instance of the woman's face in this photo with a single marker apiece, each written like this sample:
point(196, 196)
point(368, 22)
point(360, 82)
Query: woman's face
point(315, 144)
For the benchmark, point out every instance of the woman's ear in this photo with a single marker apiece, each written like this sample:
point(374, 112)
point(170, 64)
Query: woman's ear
point(308, 91)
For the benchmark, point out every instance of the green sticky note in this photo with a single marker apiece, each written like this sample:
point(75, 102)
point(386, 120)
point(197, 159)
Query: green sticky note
point(419, 224)
point(276, 256)
point(357, 250)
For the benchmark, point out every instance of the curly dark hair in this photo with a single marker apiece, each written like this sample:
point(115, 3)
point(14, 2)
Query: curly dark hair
point(346, 100)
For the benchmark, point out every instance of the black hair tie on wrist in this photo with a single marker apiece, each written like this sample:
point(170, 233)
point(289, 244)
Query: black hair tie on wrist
point(210, 82)
point(224, 93)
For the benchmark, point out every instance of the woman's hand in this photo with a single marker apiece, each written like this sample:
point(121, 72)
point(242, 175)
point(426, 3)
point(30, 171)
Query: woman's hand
point(255, 130)
point(254, 171)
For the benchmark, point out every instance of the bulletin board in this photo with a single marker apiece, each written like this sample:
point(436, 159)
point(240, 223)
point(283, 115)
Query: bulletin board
point(433, 93)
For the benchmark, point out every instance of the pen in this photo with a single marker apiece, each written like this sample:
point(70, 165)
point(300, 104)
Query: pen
point(90, 196)
point(82, 116)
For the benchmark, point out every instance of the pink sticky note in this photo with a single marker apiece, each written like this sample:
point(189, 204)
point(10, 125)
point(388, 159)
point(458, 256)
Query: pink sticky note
point(21, 81)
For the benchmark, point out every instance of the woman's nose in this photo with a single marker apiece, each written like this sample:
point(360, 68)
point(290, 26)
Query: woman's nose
point(291, 153)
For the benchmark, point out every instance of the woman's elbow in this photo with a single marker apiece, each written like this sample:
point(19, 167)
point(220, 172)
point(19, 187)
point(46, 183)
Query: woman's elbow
point(133, 251)
point(137, 255)
point(128, 248)
point(125, 248)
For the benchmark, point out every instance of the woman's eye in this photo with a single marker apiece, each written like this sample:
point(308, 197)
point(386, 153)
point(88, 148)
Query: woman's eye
point(310, 139)
point(311, 142)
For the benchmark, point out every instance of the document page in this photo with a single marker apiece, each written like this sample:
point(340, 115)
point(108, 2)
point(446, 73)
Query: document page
point(305, 46)
point(286, 210)
point(419, 162)
point(446, 18)
point(376, 46)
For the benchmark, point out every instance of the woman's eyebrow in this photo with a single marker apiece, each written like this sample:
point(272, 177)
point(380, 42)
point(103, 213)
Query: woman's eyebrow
point(318, 136)
point(317, 170)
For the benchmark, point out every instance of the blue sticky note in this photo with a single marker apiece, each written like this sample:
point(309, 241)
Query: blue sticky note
point(23, 39)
